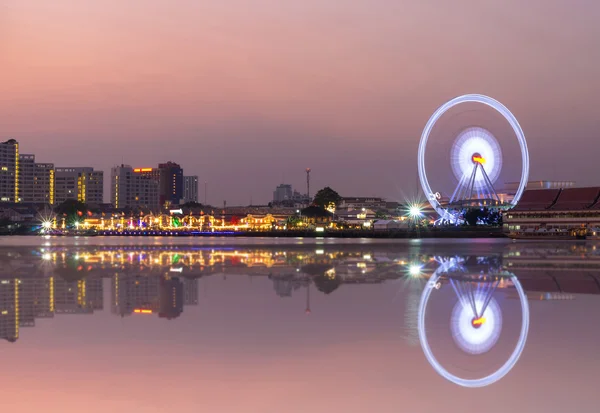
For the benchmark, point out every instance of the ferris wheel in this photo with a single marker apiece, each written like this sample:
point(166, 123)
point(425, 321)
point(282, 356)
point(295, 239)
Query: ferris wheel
point(475, 322)
point(475, 160)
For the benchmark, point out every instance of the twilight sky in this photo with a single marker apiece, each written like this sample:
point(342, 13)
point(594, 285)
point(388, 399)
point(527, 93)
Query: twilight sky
point(247, 93)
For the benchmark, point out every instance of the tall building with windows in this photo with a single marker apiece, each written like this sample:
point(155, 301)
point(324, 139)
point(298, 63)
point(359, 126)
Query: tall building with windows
point(36, 181)
point(171, 183)
point(79, 183)
point(9, 171)
point(190, 189)
point(131, 188)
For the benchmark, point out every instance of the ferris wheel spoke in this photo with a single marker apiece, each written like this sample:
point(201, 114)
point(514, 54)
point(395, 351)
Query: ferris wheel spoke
point(461, 182)
point(488, 296)
point(471, 296)
point(456, 287)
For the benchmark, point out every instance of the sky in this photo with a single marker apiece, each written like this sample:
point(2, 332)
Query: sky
point(246, 94)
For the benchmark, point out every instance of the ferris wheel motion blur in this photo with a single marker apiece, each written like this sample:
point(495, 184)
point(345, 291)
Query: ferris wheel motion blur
point(476, 161)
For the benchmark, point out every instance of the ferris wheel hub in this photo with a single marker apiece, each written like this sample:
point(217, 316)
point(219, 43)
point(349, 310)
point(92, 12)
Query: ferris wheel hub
point(476, 158)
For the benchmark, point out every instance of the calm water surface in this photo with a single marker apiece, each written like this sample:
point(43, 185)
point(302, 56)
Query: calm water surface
point(263, 325)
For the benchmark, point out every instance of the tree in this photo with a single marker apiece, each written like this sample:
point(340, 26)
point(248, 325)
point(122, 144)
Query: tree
point(72, 209)
point(474, 215)
point(326, 198)
point(381, 215)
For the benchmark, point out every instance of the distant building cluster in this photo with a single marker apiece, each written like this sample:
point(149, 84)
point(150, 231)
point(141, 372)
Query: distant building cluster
point(25, 181)
point(285, 196)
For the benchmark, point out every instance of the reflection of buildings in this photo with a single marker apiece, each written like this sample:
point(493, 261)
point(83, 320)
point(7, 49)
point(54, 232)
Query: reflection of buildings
point(149, 294)
point(134, 292)
point(78, 297)
point(171, 297)
point(162, 280)
point(556, 269)
point(9, 309)
point(286, 284)
point(190, 291)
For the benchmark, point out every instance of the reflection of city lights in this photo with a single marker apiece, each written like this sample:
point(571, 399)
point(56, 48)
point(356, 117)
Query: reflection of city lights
point(47, 257)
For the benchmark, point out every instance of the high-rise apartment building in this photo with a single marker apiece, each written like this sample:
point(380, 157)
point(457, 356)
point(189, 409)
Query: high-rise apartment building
point(282, 193)
point(190, 189)
point(36, 181)
point(171, 183)
point(79, 183)
point(132, 188)
point(9, 171)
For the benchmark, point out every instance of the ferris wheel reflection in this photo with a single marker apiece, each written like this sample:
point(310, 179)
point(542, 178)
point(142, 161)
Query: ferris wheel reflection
point(476, 321)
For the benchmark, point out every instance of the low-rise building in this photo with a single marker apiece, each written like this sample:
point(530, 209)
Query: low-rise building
point(363, 202)
point(555, 211)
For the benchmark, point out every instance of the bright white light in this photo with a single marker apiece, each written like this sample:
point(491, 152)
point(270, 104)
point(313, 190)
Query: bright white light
point(415, 211)
point(320, 229)
point(414, 270)
point(47, 224)
point(47, 257)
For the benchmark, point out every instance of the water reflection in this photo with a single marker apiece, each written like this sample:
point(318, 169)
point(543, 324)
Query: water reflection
point(163, 281)
point(477, 297)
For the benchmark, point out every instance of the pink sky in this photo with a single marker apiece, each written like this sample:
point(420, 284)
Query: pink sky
point(245, 93)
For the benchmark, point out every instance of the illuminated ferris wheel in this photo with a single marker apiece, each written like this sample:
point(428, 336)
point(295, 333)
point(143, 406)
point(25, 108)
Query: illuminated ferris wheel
point(476, 323)
point(475, 161)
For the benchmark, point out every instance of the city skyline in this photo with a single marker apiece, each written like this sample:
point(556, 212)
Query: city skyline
point(245, 92)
